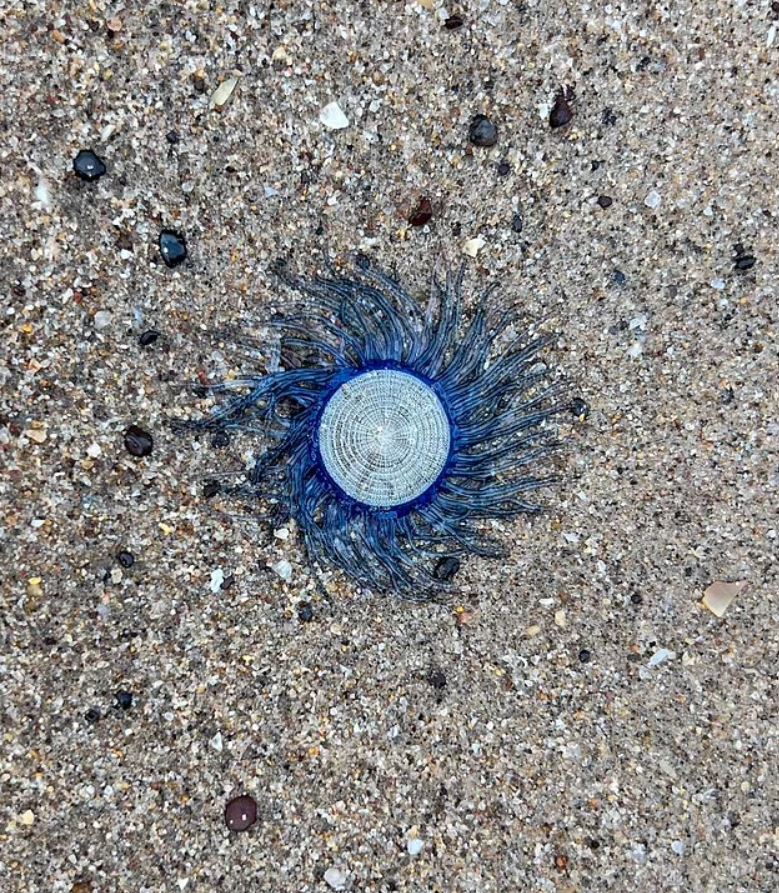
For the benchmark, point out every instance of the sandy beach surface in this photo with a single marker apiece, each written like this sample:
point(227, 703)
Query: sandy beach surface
point(573, 718)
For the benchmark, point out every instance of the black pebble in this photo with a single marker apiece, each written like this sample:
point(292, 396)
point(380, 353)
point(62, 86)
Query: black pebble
point(125, 558)
point(608, 116)
point(482, 132)
point(148, 337)
point(637, 598)
point(579, 408)
point(305, 612)
point(437, 678)
point(745, 261)
point(172, 137)
point(88, 166)
point(138, 442)
point(516, 222)
point(220, 440)
point(124, 699)
point(619, 277)
point(241, 813)
point(210, 489)
point(92, 715)
point(446, 568)
point(504, 168)
point(561, 113)
point(605, 201)
point(584, 656)
point(173, 248)
point(453, 23)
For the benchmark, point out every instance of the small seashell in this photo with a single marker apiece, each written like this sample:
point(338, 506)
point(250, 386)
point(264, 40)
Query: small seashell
point(473, 246)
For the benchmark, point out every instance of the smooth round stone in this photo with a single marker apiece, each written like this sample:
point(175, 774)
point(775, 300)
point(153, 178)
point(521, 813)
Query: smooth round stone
point(241, 813)
point(88, 166)
point(173, 248)
point(482, 131)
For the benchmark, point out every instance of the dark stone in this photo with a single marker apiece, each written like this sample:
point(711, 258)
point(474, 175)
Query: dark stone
point(199, 83)
point(148, 337)
point(124, 699)
point(423, 211)
point(227, 583)
point(92, 715)
point(446, 568)
point(482, 132)
point(137, 442)
point(241, 813)
point(504, 168)
point(561, 113)
point(172, 137)
point(210, 489)
point(173, 248)
point(88, 166)
point(437, 678)
point(584, 656)
point(745, 261)
point(608, 117)
point(454, 22)
point(220, 440)
point(636, 598)
point(305, 612)
point(516, 222)
point(619, 277)
point(605, 201)
point(579, 408)
point(126, 559)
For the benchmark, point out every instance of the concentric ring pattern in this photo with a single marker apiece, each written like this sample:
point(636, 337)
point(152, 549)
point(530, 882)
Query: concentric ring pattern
point(384, 437)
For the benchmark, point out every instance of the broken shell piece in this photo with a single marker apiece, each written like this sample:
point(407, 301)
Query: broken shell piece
point(333, 117)
point(719, 595)
point(222, 93)
point(473, 246)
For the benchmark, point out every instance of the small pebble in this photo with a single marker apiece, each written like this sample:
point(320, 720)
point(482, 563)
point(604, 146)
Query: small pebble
point(636, 598)
point(719, 595)
point(305, 612)
point(605, 201)
point(561, 113)
point(423, 211)
point(653, 199)
point(660, 657)
point(437, 678)
point(584, 655)
point(284, 569)
point(102, 319)
point(446, 568)
point(222, 93)
point(217, 578)
point(504, 168)
point(172, 137)
point(415, 846)
point(27, 818)
point(173, 248)
point(335, 879)
point(148, 337)
point(517, 222)
point(454, 22)
point(124, 699)
point(126, 559)
point(333, 117)
point(137, 442)
point(472, 247)
point(482, 132)
point(579, 408)
point(745, 261)
point(241, 813)
point(92, 715)
point(619, 277)
point(210, 489)
point(88, 166)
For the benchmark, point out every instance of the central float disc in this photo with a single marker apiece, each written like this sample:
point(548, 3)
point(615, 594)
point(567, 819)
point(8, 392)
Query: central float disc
point(384, 437)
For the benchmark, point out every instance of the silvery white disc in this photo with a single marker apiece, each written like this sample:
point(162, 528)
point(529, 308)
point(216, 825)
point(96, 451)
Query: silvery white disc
point(384, 437)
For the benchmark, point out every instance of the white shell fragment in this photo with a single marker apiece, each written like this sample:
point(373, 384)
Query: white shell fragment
point(473, 246)
point(660, 657)
point(335, 879)
point(333, 117)
point(719, 595)
point(222, 93)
